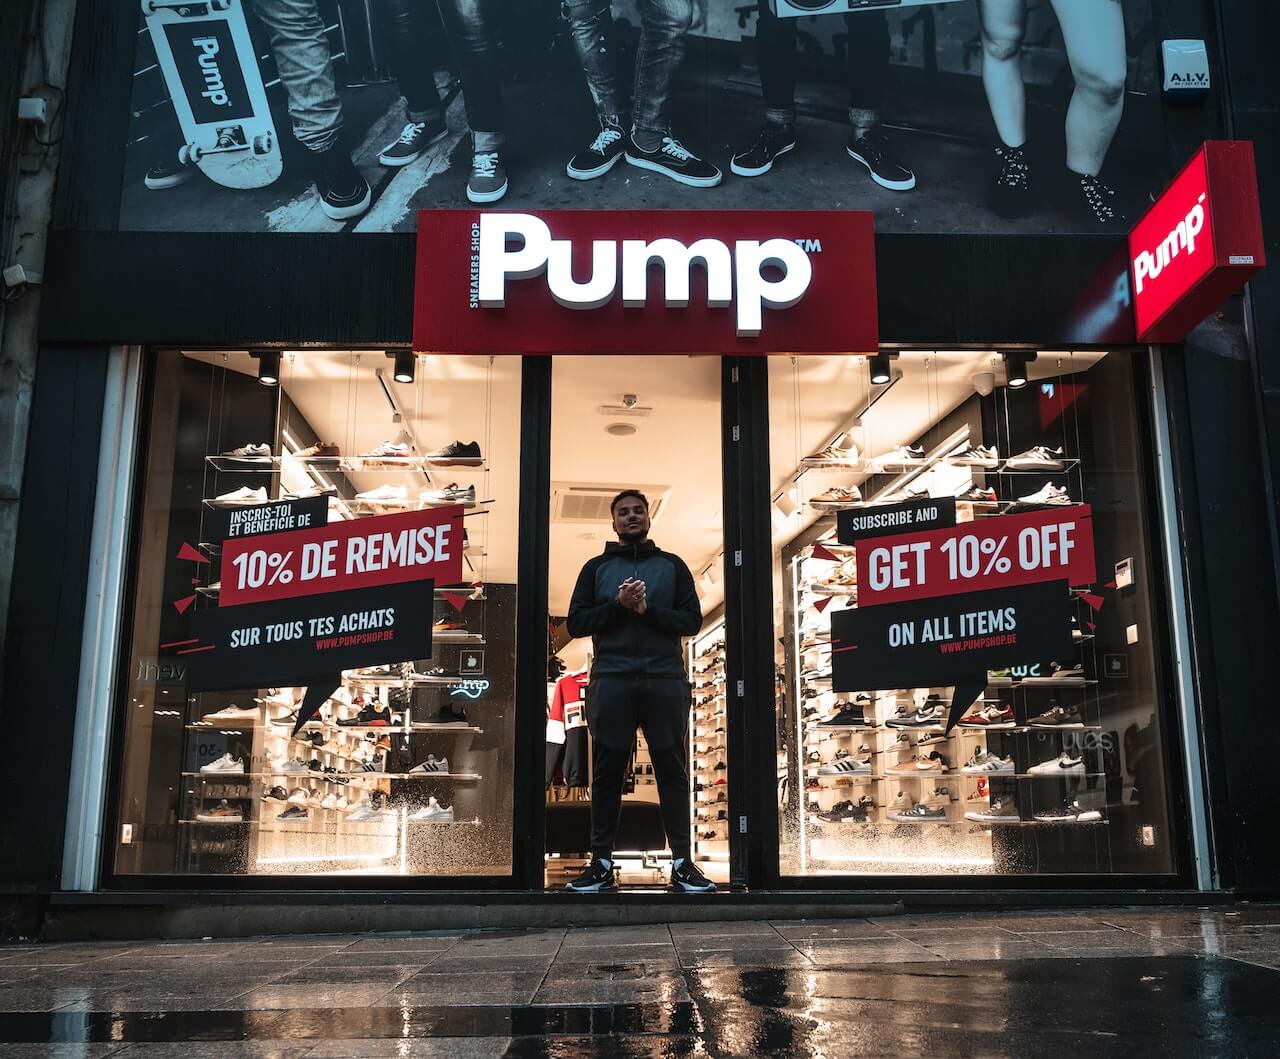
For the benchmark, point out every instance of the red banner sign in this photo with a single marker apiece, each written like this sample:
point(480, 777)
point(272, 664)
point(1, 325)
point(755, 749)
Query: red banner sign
point(649, 281)
point(1051, 545)
point(361, 553)
point(1197, 243)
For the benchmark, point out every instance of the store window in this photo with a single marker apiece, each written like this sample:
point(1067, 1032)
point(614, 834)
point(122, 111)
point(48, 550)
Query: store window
point(650, 423)
point(405, 768)
point(966, 540)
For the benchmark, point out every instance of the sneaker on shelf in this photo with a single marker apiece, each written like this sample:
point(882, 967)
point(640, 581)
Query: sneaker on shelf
point(1060, 674)
point(989, 764)
point(299, 795)
point(329, 801)
point(984, 456)
point(771, 142)
point(919, 814)
point(844, 583)
point(1036, 458)
point(320, 450)
point(687, 878)
point(845, 764)
point(223, 813)
point(672, 159)
point(901, 457)
point(295, 766)
point(836, 497)
point(872, 150)
point(452, 493)
point(441, 673)
point(342, 805)
point(243, 495)
point(1070, 812)
point(250, 451)
point(449, 625)
point(928, 715)
point(456, 453)
point(307, 491)
point(848, 714)
point(978, 495)
point(455, 716)
point(1096, 202)
point(414, 138)
point(1000, 811)
point(294, 812)
point(597, 878)
point(388, 450)
point(433, 766)
point(373, 714)
point(1064, 764)
point(919, 765)
point(385, 494)
point(989, 716)
point(599, 156)
point(434, 811)
point(1011, 189)
point(901, 496)
point(1058, 717)
point(365, 812)
point(1049, 495)
point(234, 713)
point(344, 193)
point(276, 794)
point(848, 812)
point(980, 791)
point(225, 764)
point(488, 179)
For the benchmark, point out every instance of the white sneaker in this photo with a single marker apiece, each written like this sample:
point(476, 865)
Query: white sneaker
point(385, 494)
point(984, 456)
point(1037, 458)
point(433, 766)
point(1050, 495)
point(450, 494)
point(226, 764)
point(249, 452)
point(243, 495)
point(983, 763)
point(299, 796)
point(295, 766)
point(234, 713)
point(1062, 765)
point(433, 810)
point(845, 764)
point(388, 449)
point(329, 801)
point(365, 813)
point(898, 457)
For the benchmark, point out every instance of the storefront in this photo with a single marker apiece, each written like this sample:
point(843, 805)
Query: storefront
point(929, 487)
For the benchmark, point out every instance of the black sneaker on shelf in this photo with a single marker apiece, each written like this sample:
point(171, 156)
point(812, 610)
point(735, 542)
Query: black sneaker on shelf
point(1096, 202)
point(344, 193)
point(372, 714)
point(599, 156)
point(672, 159)
point(168, 173)
point(414, 138)
point(872, 150)
point(463, 453)
point(1011, 191)
point(847, 715)
point(686, 878)
point(448, 714)
point(772, 140)
point(596, 879)
point(276, 794)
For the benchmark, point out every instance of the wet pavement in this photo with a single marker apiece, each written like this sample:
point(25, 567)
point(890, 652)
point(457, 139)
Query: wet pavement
point(1101, 982)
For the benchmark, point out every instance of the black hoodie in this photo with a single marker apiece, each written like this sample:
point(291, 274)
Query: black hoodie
point(626, 643)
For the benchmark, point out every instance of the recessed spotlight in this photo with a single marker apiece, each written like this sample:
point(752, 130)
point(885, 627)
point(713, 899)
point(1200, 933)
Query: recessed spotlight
point(1015, 367)
point(880, 368)
point(620, 430)
point(268, 366)
point(404, 364)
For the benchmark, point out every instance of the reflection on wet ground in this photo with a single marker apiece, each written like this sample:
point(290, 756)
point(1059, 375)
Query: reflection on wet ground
point(1102, 982)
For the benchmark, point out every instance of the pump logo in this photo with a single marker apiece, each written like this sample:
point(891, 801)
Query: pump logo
point(1182, 237)
point(752, 276)
point(208, 65)
point(215, 91)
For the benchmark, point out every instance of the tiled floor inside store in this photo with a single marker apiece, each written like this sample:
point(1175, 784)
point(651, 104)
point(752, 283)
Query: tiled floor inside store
point(1100, 982)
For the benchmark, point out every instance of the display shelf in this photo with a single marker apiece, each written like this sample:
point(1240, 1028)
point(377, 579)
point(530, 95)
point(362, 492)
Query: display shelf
point(342, 778)
point(275, 823)
point(342, 464)
point(473, 639)
point(316, 725)
point(871, 467)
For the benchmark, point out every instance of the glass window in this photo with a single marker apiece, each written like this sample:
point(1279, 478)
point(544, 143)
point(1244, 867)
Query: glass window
point(1058, 764)
point(407, 768)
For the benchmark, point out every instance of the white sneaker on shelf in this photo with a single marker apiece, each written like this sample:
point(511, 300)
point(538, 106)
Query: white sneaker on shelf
point(433, 810)
point(452, 493)
point(1036, 458)
point(1049, 494)
point(387, 450)
point(243, 495)
point(433, 766)
point(225, 764)
point(295, 766)
point(249, 451)
point(234, 713)
point(385, 494)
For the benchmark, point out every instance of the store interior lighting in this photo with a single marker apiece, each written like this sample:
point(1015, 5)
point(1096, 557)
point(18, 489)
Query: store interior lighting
point(404, 365)
point(1015, 367)
point(268, 366)
point(880, 368)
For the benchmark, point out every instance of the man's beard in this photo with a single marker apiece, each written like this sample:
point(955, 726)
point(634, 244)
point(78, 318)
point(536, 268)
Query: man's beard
point(632, 536)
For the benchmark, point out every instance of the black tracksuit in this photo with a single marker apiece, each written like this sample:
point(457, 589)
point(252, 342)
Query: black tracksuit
point(638, 679)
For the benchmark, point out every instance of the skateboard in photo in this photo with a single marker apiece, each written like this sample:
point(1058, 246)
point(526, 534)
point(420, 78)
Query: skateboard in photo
point(212, 74)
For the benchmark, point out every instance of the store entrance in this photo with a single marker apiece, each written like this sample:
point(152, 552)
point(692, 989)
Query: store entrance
point(650, 424)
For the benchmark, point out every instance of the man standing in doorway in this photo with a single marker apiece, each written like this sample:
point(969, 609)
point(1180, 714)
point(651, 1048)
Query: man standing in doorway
point(636, 602)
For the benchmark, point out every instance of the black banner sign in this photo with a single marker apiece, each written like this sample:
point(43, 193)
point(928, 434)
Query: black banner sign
point(910, 517)
point(937, 642)
point(277, 517)
point(288, 642)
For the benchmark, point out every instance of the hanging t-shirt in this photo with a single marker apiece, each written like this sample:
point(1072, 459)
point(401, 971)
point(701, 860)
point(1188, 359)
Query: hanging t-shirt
point(567, 748)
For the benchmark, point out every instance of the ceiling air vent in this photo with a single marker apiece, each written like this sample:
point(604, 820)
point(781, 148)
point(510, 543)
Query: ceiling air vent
point(589, 503)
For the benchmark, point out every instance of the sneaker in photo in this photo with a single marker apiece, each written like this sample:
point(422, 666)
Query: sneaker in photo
point(873, 151)
point(223, 813)
point(598, 878)
point(686, 878)
point(452, 493)
point(456, 453)
point(771, 142)
point(344, 193)
point(672, 159)
point(488, 179)
point(225, 764)
point(414, 138)
point(1095, 202)
point(599, 156)
point(1063, 765)
point(167, 173)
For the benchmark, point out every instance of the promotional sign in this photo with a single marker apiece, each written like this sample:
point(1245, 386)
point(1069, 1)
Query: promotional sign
point(279, 516)
point(938, 642)
point(662, 281)
point(912, 516)
point(990, 553)
point(1198, 243)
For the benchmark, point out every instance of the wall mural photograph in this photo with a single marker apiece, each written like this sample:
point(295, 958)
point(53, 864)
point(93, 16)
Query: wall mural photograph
point(349, 115)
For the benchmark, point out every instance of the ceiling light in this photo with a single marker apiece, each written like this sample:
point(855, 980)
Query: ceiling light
point(1015, 367)
point(620, 430)
point(880, 369)
point(268, 366)
point(404, 364)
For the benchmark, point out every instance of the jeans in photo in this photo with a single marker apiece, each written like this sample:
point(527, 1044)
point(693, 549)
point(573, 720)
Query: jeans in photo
point(866, 60)
point(301, 51)
point(466, 24)
point(416, 30)
point(664, 27)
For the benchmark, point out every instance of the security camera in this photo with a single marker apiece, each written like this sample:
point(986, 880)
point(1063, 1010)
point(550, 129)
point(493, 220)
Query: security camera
point(984, 382)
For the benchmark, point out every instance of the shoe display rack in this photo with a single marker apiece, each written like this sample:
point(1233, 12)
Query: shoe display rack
point(881, 788)
point(709, 764)
point(365, 782)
